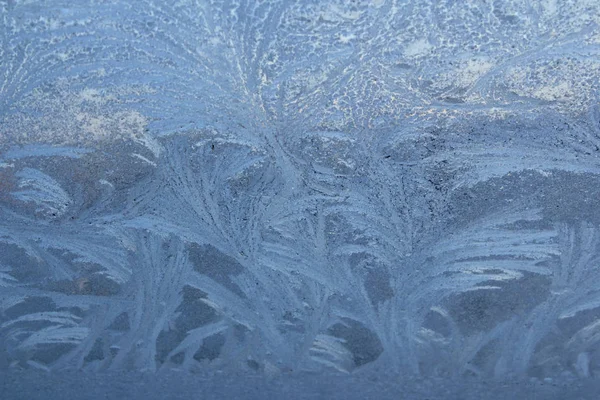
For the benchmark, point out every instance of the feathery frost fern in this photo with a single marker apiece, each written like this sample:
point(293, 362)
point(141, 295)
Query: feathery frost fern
point(283, 187)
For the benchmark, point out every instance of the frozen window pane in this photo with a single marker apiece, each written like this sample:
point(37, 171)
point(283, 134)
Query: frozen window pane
point(289, 189)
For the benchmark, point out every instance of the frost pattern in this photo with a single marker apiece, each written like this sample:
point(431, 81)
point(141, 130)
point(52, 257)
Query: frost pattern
point(287, 186)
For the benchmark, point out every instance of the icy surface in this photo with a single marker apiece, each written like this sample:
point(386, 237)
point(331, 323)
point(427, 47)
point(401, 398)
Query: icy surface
point(287, 187)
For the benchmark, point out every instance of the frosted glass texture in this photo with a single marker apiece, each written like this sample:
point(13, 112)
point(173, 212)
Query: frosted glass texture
point(289, 187)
